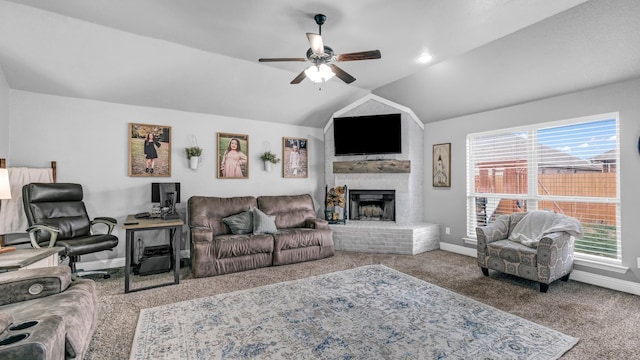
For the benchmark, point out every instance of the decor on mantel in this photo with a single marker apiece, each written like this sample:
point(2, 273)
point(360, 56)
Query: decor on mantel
point(269, 159)
point(442, 165)
point(372, 166)
point(193, 154)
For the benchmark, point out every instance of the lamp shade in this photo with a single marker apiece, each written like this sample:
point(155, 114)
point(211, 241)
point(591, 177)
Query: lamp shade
point(5, 188)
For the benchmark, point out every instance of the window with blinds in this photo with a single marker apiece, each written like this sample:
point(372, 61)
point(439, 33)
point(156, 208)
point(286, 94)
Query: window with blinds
point(570, 167)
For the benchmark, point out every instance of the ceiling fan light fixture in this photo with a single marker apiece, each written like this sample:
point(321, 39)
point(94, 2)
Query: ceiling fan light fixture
point(319, 73)
point(424, 58)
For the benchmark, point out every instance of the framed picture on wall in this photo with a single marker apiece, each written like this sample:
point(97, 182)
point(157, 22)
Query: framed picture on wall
point(149, 150)
point(295, 158)
point(233, 159)
point(442, 165)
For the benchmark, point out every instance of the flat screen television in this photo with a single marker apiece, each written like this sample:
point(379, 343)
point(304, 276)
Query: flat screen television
point(367, 135)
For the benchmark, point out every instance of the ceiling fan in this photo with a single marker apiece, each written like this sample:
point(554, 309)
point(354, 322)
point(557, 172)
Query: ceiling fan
point(322, 56)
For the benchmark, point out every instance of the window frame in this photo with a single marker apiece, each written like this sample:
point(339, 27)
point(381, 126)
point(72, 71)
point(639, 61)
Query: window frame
point(532, 197)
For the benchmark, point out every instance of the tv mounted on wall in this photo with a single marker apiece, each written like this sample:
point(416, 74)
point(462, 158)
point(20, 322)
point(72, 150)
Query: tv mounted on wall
point(367, 135)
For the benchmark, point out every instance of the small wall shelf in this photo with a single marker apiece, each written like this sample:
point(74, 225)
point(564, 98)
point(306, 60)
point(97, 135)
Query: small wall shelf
point(372, 166)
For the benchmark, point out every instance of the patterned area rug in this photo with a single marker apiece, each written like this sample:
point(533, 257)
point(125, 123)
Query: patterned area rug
point(370, 312)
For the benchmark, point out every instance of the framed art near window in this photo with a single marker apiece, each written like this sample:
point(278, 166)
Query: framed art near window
point(295, 156)
point(233, 160)
point(149, 150)
point(442, 165)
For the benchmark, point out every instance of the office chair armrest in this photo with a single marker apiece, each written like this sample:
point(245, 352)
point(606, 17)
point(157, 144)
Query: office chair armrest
point(110, 222)
point(53, 231)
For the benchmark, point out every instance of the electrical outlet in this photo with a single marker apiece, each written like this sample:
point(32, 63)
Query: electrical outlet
point(447, 231)
point(639, 263)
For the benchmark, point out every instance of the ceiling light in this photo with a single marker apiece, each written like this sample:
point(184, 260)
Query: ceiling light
point(424, 58)
point(319, 73)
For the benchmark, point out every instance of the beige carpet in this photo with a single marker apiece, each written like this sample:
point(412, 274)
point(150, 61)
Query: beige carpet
point(604, 320)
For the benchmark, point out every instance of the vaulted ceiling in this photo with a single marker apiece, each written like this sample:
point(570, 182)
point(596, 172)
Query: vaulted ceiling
point(201, 55)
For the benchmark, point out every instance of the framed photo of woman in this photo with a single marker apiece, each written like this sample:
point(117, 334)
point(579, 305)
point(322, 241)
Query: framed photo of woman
point(295, 157)
point(442, 165)
point(233, 159)
point(149, 150)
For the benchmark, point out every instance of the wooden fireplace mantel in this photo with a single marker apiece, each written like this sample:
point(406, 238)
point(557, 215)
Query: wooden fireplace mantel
point(372, 166)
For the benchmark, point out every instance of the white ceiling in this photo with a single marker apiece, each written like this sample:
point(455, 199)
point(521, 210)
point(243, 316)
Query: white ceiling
point(201, 55)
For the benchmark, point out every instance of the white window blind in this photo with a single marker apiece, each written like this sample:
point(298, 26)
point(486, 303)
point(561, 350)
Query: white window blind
point(570, 167)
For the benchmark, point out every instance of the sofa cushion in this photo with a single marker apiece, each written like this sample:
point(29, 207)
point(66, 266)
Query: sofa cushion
point(263, 223)
point(240, 223)
point(291, 211)
point(296, 238)
point(16, 286)
point(207, 212)
point(229, 246)
point(513, 252)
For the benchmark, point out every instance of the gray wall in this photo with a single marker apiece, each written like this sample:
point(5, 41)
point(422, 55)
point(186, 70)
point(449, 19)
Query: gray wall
point(5, 93)
point(89, 140)
point(447, 206)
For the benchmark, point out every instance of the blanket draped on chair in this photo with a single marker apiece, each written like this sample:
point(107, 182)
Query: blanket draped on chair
point(12, 217)
point(536, 224)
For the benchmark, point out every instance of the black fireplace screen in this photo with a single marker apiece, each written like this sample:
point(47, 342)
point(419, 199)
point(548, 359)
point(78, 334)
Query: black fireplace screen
point(372, 205)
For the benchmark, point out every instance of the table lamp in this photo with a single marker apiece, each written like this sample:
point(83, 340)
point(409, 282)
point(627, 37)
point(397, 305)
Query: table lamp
point(5, 193)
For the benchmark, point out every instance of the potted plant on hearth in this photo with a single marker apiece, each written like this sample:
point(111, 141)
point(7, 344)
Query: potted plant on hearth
point(193, 154)
point(269, 158)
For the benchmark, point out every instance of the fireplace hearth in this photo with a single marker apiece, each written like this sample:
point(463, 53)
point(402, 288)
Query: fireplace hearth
point(372, 205)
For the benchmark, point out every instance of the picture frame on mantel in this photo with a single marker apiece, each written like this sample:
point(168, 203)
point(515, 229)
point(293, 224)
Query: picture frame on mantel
point(442, 165)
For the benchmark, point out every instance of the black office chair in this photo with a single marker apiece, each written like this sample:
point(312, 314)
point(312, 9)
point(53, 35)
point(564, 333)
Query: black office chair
point(57, 217)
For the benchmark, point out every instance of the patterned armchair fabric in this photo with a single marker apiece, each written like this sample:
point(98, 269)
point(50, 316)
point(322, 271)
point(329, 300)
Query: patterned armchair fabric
point(551, 260)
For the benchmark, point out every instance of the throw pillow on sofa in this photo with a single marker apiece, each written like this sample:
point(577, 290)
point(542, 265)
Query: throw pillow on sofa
point(263, 223)
point(241, 223)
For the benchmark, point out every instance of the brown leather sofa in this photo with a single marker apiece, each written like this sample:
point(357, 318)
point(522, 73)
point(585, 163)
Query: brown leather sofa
point(217, 248)
point(46, 314)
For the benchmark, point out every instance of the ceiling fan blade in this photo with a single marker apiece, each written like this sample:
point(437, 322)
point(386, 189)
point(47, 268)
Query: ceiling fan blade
point(341, 74)
point(280, 59)
point(362, 55)
point(317, 46)
point(298, 78)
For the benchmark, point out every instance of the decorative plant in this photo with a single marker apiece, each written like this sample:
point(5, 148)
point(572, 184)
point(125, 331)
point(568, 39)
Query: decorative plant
point(193, 151)
point(270, 157)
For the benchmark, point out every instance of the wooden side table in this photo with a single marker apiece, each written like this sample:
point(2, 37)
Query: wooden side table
point(21, 259)
point(131, 225)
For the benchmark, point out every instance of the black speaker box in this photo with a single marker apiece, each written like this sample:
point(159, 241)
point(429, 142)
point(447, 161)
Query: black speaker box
point(155, 260)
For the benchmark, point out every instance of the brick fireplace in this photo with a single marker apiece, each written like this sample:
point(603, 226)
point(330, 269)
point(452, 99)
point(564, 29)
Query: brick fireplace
point(373, 229)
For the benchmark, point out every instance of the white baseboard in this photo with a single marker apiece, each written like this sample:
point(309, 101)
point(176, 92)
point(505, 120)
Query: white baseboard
point(576, 275)
point(101, 264)
point(114, 263)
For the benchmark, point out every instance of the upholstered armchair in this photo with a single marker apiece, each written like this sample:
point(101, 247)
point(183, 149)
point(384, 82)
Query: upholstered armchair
point(537, 246)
